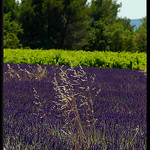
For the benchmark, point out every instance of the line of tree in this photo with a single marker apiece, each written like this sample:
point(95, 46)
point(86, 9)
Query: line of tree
point(71, 24)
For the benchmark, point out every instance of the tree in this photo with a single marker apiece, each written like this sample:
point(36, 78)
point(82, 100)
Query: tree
point(12, 28)
point(76, 24)
point(11, 31)
point(54, 23)
point(104, 13)
point(106, 10)
point(141, 36)
point(31, 21)
point(109, 32)
point(99, 37)
point(118, 36)
point(11, 6)
point(122, 38)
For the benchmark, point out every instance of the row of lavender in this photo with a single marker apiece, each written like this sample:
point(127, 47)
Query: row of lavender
point(119, 107)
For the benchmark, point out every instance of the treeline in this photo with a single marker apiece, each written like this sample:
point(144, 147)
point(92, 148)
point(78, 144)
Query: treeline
point(70, 24)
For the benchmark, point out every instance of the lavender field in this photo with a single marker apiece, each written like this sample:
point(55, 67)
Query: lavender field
point(35, 108)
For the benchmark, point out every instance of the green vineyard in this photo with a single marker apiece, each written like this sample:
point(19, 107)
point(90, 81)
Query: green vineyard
point(121, 60)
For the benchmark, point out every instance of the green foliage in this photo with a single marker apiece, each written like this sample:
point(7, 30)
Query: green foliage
point(121, 38)
point(99, 37)
point(11, 6)
point(76, 24)
point(11, 26)
point(104, 9)
point(54, 24)
point(11, 31)
point(109, 33)
point(30, 24)
point(118, 36)
point(70, 24)
point(41, 23)
point(141, 36)
point(126, 60)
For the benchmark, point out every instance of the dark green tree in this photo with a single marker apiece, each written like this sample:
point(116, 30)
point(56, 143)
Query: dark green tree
point(76, 23)
point(141, 36)
point(12, 28)
point(106, 10)
point(118, 36)
point(11, 31)
point(31, 20)
point(108, 32)
point(104, 13)
point(122, 37)
point(54, 23)
point(11, 6)
point(52, 17)
point(99, 37)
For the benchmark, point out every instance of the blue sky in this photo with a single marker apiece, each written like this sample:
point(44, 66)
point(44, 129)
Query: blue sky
point(132, 9)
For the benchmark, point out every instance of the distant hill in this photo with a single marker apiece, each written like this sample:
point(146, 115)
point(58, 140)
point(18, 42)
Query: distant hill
point(135, 22)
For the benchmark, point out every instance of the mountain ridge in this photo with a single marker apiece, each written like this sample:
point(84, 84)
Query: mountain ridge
point(136, 22)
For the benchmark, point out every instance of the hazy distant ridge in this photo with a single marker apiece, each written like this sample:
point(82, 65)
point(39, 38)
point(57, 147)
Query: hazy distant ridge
point(136, 22)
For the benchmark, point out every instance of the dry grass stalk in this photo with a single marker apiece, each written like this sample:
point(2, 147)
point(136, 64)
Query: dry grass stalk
point(37, 74)
point(68, 103)
point(137, 130)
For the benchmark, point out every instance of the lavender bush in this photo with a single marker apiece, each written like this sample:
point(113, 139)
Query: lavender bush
point(116, 99)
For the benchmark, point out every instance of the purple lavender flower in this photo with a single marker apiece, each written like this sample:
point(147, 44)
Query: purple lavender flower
point(119, 101)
